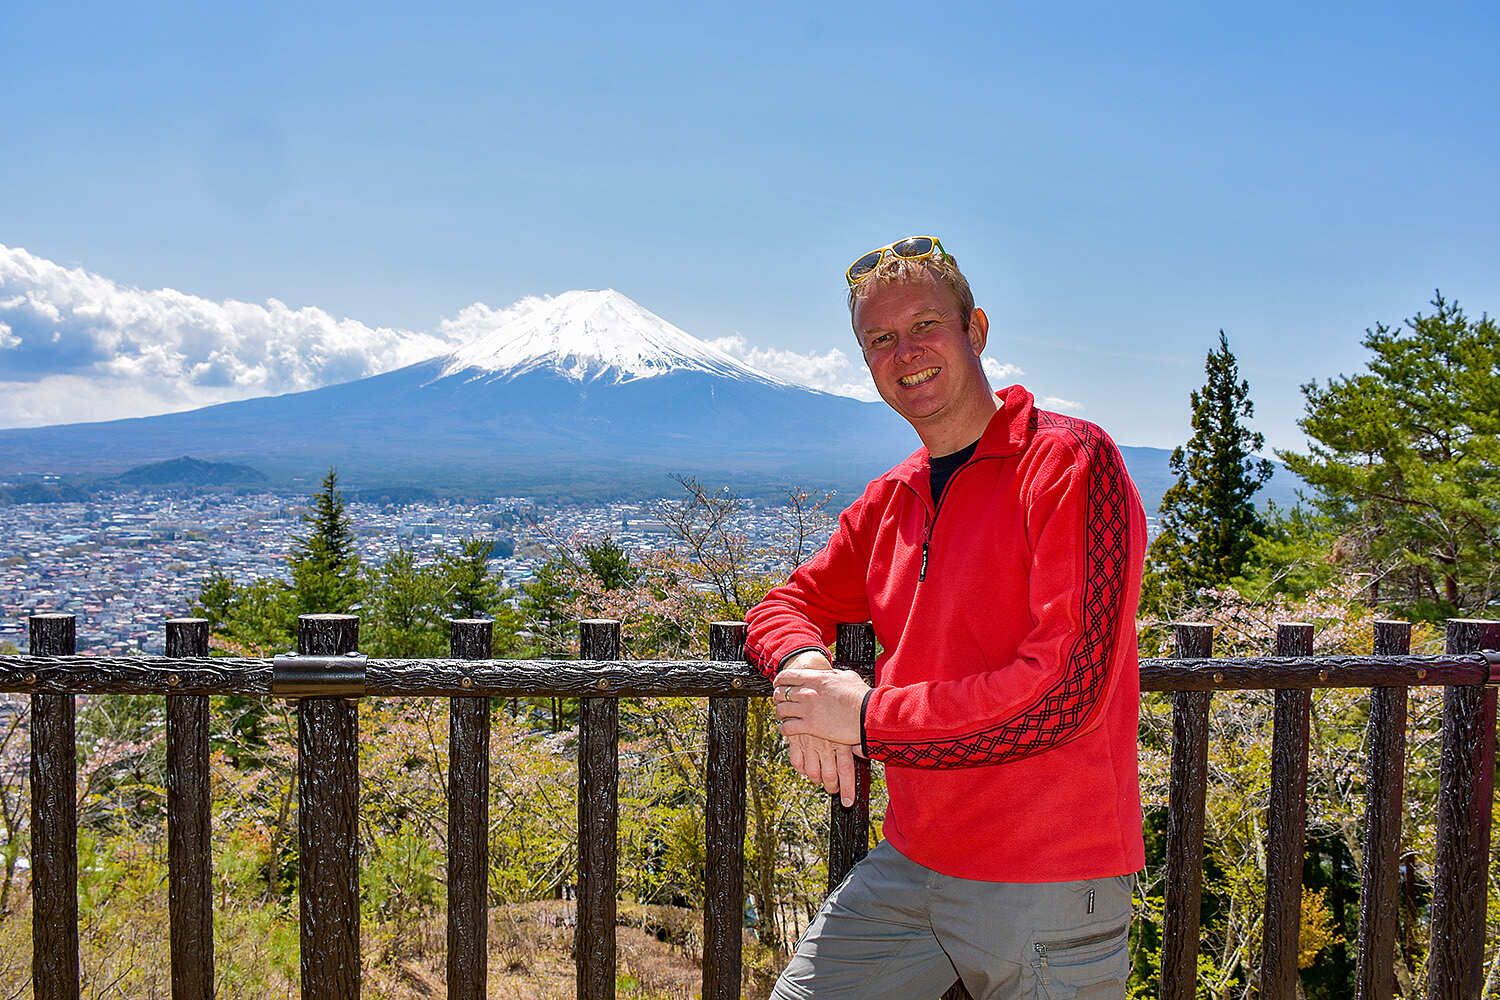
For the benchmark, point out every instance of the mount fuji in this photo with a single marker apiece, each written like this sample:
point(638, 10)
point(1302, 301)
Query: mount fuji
point(584, 394)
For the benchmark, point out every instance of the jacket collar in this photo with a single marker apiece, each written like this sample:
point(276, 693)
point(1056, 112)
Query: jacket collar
point(1008, 433)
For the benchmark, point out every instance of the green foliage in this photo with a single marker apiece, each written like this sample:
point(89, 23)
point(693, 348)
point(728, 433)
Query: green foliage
point(324, 560)
point(402, 617)
point(468, 588)
point(405, 604)
point(254, 619)
point(561, 591)
point(1208, 517)
point(400, 877)
point(609, 563)
point(1405, 459)
point(1292, 556)
point(545, 609)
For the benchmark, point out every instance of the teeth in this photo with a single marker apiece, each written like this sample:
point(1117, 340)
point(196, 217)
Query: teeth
point(917, 378)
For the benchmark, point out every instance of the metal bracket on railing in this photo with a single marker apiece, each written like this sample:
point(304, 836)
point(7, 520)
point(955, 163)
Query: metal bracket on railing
point(1492, 657)
point(303, 675)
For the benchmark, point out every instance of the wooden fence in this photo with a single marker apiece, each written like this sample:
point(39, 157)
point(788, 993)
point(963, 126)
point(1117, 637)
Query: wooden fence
point(327, 676)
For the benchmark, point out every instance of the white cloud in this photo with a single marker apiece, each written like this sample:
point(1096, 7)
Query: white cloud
point(81, 344)
point(1001, 372)
point(832, 371)
point(1058, 403)
point(75, 346)
point(67, 399)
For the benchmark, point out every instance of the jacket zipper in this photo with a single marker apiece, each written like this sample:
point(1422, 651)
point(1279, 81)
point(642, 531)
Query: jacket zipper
point(932, 523)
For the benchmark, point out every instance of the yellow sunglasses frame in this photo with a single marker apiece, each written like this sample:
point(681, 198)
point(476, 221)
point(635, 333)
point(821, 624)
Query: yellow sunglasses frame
point(937, 250)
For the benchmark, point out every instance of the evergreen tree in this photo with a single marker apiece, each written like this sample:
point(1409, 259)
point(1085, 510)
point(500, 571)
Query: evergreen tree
point(544, 609)
point(1293, 555)
point(324, 560)
point(1209, 523)
point(256, 619)
point(402, 612)
point(1405, 458)
point(609, 563)
point(216, 598)
point(469, 590)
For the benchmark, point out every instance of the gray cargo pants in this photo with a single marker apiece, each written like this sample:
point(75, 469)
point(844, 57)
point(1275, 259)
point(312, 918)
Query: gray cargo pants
point(895, 930)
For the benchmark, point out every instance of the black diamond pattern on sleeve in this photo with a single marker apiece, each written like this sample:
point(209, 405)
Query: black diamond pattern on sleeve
point(1059, 712)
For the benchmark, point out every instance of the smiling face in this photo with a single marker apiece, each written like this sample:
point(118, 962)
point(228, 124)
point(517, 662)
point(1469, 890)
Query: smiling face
point(925, 360)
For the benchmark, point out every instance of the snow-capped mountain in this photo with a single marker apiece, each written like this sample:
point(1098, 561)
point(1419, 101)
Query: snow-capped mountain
point(584, 393)
point(585, 336)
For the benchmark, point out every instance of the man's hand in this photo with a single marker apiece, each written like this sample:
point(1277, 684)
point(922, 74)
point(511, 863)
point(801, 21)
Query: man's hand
point(818, 760)
point(825, 763)
point(814, 701)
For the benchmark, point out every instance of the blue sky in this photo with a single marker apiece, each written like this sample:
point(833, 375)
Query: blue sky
point(1119, 181)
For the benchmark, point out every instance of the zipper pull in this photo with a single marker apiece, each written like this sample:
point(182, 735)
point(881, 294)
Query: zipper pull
point(922, 573)
point(1091, 900)
point(1041, 954)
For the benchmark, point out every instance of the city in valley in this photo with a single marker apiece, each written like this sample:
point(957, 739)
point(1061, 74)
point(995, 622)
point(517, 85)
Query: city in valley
point(123, 563)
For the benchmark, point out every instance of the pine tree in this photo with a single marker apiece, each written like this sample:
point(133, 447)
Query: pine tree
point(324, 560)
point(469, 590)
point(1209, 523)
point(609, 563)
point(216, 598)
point(402, 611)
point(1405, 459)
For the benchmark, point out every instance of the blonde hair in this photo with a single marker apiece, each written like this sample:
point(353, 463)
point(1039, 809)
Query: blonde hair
point(893, 269)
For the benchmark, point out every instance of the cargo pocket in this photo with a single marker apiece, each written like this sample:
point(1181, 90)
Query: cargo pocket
point(1081, 965)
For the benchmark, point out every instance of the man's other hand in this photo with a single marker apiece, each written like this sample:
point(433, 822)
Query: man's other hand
point(819, 702)
point(819, 760)
point(828, 764)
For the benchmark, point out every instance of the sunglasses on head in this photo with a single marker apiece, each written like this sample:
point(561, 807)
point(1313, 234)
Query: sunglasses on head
point(911, 248)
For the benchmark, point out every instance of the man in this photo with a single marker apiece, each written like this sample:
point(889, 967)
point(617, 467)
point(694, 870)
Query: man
point(1000, 565)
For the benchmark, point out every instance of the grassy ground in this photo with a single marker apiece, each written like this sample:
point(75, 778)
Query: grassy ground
point(126, 955)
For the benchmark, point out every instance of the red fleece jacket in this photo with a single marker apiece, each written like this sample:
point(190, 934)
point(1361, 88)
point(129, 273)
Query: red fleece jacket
point(1007, 694)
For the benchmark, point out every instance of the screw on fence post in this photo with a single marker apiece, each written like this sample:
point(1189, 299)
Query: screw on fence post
point(54, 822)
point(1183, 894)
point(1466, 779)
point(1286, 823)
point(468, 819)
point(724, 875)
point(1385, 776)
point(848, 828)
point(328, 821)
point(190, 885)
point(598, 820)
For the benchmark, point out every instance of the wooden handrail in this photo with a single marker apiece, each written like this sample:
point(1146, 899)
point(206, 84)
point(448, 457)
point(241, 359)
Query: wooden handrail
point(328, 786)
point(453, 677)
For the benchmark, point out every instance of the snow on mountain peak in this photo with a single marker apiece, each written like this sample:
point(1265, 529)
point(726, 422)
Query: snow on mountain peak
point(583, 335)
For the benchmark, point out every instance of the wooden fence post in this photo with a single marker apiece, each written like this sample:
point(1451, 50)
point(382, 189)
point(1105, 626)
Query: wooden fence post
point(1466, 781)
point(328, 821)
point(598, 820)
point(468, 820)
point(54, 822)
point(724, 877)
point(1385, 780)
point(1286, 824)
point(1183, 895)
point(849, 827)
point(189, 863)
